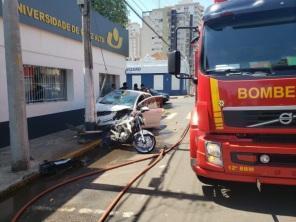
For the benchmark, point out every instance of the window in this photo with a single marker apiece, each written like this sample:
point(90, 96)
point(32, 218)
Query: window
point(175, 83)
point(43, 84)
point(158, 82)
point(108, 82)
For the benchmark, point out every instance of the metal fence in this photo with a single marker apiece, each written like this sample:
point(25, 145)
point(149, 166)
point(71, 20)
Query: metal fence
point(43, 84)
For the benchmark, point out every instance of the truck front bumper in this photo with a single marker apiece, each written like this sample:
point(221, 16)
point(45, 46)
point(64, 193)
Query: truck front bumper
point(242, 178)
point(283, 173)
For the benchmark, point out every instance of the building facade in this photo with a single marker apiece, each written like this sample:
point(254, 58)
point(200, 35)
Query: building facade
point(53, 64)
point(150, 42)
point(134, 33)
point(165, 21)
point(183, 11)
point(154, 74)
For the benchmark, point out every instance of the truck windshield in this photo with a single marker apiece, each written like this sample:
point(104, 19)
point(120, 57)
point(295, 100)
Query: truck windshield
point(267, 48)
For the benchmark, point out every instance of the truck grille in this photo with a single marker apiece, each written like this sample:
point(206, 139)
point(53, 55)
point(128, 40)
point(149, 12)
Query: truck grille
point(276, 160)
point(260, 118)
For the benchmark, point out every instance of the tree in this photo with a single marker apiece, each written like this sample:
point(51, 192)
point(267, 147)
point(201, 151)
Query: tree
point(114, 10)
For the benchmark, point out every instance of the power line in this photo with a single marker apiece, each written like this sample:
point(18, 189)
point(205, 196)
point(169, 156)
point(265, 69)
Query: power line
point(138, 6)
point(149, 26)
point(100, 47)
point(146, 23)
point(105, 64)
point(146, 8)
point(142, 11)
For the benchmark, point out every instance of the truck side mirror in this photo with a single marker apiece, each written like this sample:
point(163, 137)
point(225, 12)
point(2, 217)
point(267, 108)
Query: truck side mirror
point(174, 62)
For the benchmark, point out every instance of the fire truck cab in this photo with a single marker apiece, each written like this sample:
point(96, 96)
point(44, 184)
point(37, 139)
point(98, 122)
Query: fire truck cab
point(243, 126)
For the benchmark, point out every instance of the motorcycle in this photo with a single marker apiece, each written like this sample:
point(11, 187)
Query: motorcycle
point(128, 129)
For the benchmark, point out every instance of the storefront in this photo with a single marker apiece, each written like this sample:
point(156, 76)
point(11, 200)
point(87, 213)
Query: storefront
point(53, 64)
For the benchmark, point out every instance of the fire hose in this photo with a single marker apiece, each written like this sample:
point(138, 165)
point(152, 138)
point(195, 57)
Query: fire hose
point(157, 158)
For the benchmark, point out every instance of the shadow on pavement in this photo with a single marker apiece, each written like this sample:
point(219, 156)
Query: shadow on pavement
point(9, 206)
point(55, 200)
point(274, 200)
point(168, 106)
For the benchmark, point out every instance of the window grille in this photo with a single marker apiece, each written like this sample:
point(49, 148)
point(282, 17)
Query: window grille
point(43, 84)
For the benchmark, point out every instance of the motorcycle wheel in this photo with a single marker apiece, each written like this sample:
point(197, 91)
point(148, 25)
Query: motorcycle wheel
point(145, 146)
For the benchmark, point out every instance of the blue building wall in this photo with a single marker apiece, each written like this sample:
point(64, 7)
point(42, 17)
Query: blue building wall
point(148, 80)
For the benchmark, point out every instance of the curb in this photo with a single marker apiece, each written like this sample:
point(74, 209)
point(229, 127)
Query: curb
point(14, 187)
point(83, 150)
point(35, 175)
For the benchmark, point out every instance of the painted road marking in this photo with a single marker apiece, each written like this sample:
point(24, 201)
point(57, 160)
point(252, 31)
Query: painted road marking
point(85, 211)
point(188, 117)
point(99, 211)
point(43, 208)
point(69, 210)
point(162, 166)
point(126, 214)
point(171, 116)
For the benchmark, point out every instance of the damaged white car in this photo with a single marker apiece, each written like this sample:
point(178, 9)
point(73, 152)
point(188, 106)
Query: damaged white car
point(118, 103)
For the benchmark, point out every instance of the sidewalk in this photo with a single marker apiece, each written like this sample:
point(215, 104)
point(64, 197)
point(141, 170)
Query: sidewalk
point(55, 146)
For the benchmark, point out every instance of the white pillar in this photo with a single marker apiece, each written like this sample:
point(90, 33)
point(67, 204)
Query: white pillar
point(19, 142)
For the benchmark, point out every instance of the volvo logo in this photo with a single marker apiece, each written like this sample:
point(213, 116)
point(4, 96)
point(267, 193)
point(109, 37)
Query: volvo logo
point(286, 118)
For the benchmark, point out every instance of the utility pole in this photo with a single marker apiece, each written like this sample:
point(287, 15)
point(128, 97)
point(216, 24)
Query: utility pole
point(90, 112)
point(190, 39)
point(190, 52)
point(173, 27)
point(19, 142)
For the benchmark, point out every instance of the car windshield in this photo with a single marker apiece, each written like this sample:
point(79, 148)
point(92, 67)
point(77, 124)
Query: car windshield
point(119, 97)
point(267, 48)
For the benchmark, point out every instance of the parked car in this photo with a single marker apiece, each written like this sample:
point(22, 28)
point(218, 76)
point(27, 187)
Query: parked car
point(117, 103)
point(166, 97)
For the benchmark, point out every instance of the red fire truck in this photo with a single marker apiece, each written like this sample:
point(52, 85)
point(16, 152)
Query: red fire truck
point(243, 127)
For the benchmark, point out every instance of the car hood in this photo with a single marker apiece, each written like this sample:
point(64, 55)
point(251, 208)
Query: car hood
point(113, 108)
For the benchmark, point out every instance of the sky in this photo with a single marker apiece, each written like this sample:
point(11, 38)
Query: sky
point(148, 5)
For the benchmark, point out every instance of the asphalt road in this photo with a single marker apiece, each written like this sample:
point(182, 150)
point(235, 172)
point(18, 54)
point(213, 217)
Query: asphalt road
point(169, 192)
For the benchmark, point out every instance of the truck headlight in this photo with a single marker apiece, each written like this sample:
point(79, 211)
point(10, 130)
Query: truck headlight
point(213, 153)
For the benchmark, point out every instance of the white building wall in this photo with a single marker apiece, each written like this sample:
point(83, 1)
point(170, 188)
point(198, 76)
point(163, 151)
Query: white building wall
point(146, 38)
point(134, 32)
point(42, 48)
point(3, 88)
point(148, 66)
